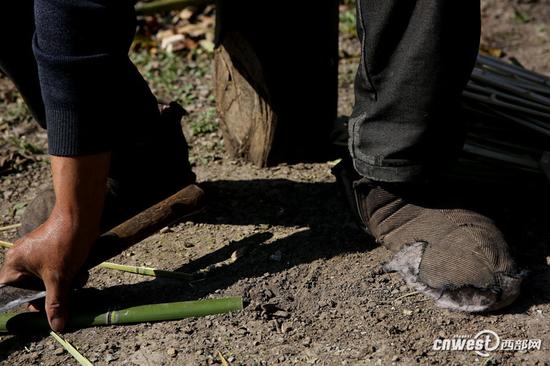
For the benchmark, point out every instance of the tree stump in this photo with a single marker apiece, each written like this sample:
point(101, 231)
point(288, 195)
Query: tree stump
point(276, 78)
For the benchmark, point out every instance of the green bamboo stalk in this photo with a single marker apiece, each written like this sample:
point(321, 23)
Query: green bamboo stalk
point(32, 322)
point(167, 5)
point(70, 348)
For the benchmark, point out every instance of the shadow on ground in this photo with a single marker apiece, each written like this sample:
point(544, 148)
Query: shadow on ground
point(318, 209)
point(326, 230)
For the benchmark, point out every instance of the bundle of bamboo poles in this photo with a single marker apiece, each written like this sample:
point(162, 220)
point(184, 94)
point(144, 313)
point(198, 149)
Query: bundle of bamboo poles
point(508, 117)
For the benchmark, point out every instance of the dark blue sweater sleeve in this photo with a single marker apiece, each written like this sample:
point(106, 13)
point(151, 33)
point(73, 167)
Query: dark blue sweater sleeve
point(81, 48)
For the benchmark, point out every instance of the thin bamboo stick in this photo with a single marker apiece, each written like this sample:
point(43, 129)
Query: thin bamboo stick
point(70, 348)
point(5, 244)
point(147, 271)
point(144, 271)
point(10, 227)
point(222, 359)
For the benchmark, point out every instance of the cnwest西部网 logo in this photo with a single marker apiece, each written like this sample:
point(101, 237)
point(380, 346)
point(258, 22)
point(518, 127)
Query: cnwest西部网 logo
point(485, 342)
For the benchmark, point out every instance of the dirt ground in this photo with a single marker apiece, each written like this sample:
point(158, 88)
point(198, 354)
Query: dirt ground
point(283, 239)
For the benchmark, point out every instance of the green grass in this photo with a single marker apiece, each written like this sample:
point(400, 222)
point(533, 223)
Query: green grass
point(205, 123)
point(521, 17)
point(24, 147)
point(348, 22)
point(172, 76)
point(13, 108)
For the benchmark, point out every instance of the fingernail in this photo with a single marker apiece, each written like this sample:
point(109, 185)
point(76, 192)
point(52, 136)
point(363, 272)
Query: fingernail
point(57, 323)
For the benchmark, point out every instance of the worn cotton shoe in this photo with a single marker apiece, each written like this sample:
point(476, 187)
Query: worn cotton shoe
point(142, 174)
point(456, 256)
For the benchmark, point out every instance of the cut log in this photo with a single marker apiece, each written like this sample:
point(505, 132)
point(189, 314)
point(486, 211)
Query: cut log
point(278, 65)
point(242, 100)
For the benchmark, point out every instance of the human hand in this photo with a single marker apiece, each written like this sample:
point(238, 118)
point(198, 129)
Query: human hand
point(54, 253)
point(56, 250)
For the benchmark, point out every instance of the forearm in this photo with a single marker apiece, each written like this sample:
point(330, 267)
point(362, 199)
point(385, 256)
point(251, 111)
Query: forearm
point(79, 184)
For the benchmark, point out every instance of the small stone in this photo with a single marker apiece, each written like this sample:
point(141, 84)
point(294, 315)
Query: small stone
point(407, 312)
point(171, 352)
point(242, 331)
point(110, 358)
point(306, 341)
point(281, 314)
point(269, 308)
point(285, 328)
point(59, 351)
point(268, 293)
point(369, 349)
point(231, 359)
point(165, 229)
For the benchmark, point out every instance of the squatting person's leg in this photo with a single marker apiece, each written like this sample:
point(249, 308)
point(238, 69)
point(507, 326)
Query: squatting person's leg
point(416, 58)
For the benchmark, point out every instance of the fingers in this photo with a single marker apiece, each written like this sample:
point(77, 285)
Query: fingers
point(36, 306)
point(8, 275)
point(11, 272)
point(57, 298)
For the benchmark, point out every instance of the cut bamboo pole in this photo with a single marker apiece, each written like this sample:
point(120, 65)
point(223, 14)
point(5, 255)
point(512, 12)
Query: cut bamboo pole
point(32, 322)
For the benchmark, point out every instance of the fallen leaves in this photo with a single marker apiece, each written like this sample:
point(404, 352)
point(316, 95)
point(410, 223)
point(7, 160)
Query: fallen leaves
point(15, 154)
point(187, 30)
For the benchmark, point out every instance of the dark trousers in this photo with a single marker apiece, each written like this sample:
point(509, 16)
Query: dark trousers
point(417, 56)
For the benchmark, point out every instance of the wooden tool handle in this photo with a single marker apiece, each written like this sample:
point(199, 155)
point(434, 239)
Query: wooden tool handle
point(183, 203)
